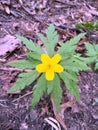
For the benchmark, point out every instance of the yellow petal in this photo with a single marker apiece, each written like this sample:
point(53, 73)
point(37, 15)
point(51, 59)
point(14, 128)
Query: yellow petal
point(45, 58)
point(50, 75)
point(58, 68)
point(56, 58)
point(41, 68)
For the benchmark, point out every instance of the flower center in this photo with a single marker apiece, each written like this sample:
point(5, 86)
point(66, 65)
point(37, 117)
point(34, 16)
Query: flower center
point(49, 66)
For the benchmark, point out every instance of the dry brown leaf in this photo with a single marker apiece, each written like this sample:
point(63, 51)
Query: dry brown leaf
point(27, 27)
point(7, 2)
point(94, 12)
point(7, 9)
point(1, 7)
point(8, 44)
point(21, 2)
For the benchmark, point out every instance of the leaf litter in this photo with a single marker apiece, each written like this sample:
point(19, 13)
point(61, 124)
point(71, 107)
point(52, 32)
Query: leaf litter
point(8, 44)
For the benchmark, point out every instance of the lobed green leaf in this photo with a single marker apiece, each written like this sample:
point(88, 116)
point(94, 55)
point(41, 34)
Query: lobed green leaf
point(31, 45)
point(92, 50)
point(46, 44)
point(50, 86)
point(70, 45)
point(22, 64)
point(71, 75)
point(96, 66)
point(71, 85)
point(51, 40)
point(39, 90)
point(33, 56)
point(75, 63)
point(92, 53)
point(57, 92)
point(24, 80)
point(52, 35)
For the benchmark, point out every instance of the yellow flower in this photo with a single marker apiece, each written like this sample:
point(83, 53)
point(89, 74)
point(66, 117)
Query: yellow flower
point(50, 66)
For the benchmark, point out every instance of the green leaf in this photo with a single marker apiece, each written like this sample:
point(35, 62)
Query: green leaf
point(70, 65)
point(76, 67)
point(31, 45)
point(73, 88)
point(71, 75)
point(75, 63)
point(70, 46)
point(96, 66)
point(33, 56)
point(92, 53)
point(67, 61)
point(46, 44)
point(50, 85)
point(91, 49)
point(51, 40)
point(24, 80)
point(96, 47)
point(43, 38)
point(57, 92)
point(71, 85)
point(39, 90)
point(80, 25)
point(88, 25)
point(66, 49)
point(80, 62)
point(23, 64)
point(52, 35)
point(91, 60)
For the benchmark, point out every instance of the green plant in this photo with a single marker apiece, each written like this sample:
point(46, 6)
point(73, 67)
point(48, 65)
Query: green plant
point(92, 54)
point(51, 67)
point(88, 25)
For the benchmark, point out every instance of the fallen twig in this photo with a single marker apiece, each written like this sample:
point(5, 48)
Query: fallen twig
point(23, 96)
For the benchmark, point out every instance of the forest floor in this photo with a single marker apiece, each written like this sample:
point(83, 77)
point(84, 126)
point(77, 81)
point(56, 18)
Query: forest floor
point(27, 18)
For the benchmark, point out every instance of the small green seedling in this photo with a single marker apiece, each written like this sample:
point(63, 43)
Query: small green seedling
point(92, 54)
point(50, 67)
point(92, 26)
